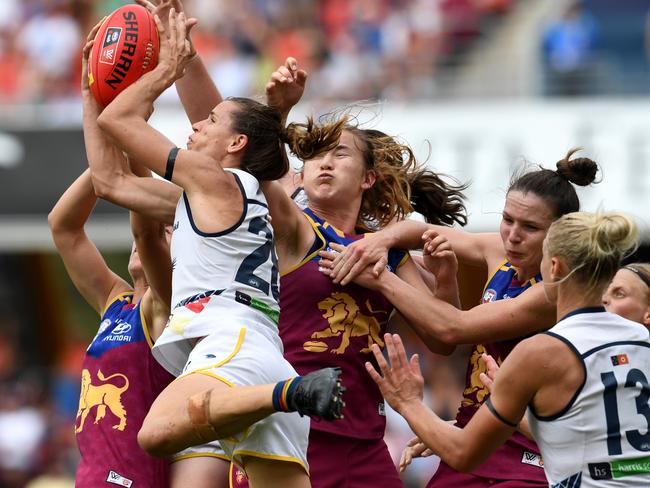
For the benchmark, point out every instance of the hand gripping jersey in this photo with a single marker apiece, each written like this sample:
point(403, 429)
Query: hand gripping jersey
point(519, 457)
point(323, 324)
point(602, 437)
point(224, 276)
point(119, 382)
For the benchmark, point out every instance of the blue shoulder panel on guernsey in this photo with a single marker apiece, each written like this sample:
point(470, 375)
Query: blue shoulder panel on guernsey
point(121, 324)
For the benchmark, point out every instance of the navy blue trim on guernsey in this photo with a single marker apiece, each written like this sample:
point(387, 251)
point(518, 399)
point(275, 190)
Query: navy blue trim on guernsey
point(548, 418)
point(573, 481)
point(500, 417)
point(578, 311)
point(256, 202)
point(296, 192)
point(612, 344)
point(229, 229)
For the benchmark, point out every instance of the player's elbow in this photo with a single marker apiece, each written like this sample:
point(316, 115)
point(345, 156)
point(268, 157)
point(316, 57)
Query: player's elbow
point(59, 228)
point(105, 120)
point(448, 335)
point(156, 440)
point(461, 460)
point(53, 220)
point(103, 186)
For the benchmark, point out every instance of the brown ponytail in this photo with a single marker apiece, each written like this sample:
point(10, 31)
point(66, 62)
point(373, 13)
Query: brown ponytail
point(401, 186)
point(554, 187)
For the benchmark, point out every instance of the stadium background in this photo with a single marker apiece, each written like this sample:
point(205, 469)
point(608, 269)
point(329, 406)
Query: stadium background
point(477, 87)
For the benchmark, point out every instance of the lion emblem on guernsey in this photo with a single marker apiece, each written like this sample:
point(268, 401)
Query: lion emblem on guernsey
point(345, 320)
point(476, 391)
point(101, 396)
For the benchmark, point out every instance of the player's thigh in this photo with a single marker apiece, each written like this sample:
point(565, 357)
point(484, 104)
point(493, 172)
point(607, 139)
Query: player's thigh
point(268, 473)
point(200, 472)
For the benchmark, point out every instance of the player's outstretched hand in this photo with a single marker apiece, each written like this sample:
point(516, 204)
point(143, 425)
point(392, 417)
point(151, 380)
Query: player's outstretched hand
point(415, 448)
point(492, 369)
point(175, 49)
point(438, 256)
point(401, 380)
point(356, 257)
point(286, 86)
point(161, 8)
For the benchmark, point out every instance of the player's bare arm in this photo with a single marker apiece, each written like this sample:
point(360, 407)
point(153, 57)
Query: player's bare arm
point(196, 89)
point(476, 249)
point(83, 262)
point(504, 319)
point(111, 175)
point(196, 172)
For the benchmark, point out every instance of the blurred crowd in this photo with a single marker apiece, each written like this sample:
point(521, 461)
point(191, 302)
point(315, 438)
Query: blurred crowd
point(353, 49)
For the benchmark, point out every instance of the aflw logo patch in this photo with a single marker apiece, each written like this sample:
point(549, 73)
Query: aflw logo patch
point(118, 479)
point(532, 459)
point(109, 47)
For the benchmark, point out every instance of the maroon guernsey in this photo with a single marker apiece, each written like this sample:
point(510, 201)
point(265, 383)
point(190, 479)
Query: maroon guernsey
point(120, 380)
point(324, 325)
point(518, 458)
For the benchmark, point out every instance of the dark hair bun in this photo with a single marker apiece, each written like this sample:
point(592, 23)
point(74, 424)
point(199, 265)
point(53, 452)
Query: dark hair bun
point(579, 171)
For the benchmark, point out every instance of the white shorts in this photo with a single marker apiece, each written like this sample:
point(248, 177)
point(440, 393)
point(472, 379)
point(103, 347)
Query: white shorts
point(211, 450)
point(248, 356)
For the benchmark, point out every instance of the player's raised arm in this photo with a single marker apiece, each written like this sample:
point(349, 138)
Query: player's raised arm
point(152, 239)
point(125, 119)
point(197, 91)
point(85, 265)
point(111, 176)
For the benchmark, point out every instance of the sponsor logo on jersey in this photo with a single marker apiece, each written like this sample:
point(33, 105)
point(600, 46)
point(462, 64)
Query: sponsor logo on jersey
point(619, 359)
point(382, 409)
point(490, 295)
point(109, 47)
point(619, 468)
point(118, 479)
point(532, 459)
point(121, 328)
point(120, 332)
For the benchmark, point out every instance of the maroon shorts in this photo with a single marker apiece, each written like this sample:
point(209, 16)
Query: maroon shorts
point(447, 477)
point(336, 461)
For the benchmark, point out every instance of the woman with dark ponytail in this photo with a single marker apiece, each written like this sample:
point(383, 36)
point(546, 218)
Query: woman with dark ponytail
point(513, 303)
point(584, 382)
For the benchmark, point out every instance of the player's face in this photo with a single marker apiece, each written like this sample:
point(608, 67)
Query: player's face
point(213, 135)
point(525, 221)
point(627, 297)
point(338, 174)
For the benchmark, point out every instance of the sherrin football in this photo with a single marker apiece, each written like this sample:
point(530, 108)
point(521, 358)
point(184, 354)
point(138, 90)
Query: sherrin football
point(125, 48)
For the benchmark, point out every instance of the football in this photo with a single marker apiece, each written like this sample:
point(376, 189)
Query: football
point(125, 48)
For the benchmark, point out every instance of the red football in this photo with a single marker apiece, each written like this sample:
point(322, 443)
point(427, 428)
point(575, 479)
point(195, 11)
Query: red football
point(126, 47)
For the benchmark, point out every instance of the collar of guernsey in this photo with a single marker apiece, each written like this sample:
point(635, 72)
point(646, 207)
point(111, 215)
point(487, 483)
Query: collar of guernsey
point(328, 233)
point(504, 283)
